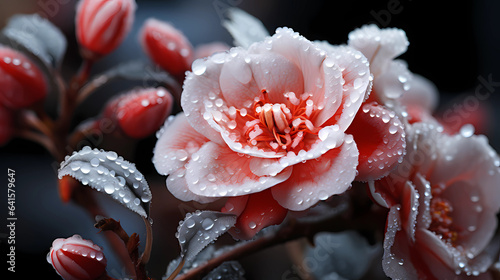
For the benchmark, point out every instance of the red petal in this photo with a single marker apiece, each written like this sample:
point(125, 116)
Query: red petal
point(260, 211)
point(380, 138)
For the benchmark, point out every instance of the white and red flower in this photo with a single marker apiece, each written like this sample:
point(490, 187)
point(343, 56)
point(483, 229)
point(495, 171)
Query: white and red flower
point(443, 202)
point(270, 117)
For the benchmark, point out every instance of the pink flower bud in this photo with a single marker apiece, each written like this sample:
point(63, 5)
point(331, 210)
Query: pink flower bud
point(6, 125)
point(166, 46)
point(101, 25)
point(21, 82)
point(140, 113)
point(75, 258)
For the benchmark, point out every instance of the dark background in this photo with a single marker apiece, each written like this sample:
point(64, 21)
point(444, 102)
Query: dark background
point(451, 43)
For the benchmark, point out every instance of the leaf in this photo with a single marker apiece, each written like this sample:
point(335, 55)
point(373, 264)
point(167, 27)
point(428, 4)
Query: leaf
point(245, 28)
point(199, 229)
point(109, 173)
point(36, 35)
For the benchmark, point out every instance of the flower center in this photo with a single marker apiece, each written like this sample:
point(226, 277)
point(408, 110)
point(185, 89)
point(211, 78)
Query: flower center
point(441, 224)
point(278, 126)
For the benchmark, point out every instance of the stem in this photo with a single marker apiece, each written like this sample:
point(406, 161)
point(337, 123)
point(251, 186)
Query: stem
point(177, 270)
point(90, 87)
point(149, 242)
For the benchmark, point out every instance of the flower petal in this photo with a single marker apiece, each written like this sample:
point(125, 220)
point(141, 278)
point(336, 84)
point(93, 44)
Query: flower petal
point(421, 93)
point(298, 50)
point(244, 76)
point(319, 179)
point(396, 261)
point(261, 210)
point(200, 87)
point(378, 45)
point(217, 171)
point(380, 138)
point(177, 185)
point(177, 142)
point(355, 84)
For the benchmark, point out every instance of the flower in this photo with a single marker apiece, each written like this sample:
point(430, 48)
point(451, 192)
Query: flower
point(270, 117)
point(75, 258)
point(140, 113)
point(22, 83)
point(166, 46)
point(101, 25)
point(443, 202)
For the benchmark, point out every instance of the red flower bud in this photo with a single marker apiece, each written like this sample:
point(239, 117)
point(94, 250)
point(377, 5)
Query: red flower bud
point(75, 258)
point(101, 25)
point(6, 125)
point(142, 112)
point(22, 83)
point(166, 46)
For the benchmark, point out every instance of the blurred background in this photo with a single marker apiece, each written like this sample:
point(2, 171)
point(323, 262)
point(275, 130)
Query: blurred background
point(456, 46)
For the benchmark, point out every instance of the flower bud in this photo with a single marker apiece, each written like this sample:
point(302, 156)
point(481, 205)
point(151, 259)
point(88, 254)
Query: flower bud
point(101, 25)
point(140, 113)
point(166, 46)
point(6, 125)
point(22, 83)
point(75, 258)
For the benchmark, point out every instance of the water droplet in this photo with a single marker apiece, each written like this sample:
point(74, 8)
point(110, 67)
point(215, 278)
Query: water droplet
point(199, 67)
point(207, 223)
point(109, 189)
point(467, 130)
point(85, 169)
point(112, 155)
point(94, 162)
point(252, 225)
point(393, 129)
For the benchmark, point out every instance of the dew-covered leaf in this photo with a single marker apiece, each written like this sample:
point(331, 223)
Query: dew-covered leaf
point(231, 270)
point(245, 28)
point(36, 35)
point(109, 173)
point(200, 228)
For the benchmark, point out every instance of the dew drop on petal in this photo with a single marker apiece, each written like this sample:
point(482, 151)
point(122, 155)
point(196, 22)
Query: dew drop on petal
point(467, 130)
point(252, 225)
point(199, 67)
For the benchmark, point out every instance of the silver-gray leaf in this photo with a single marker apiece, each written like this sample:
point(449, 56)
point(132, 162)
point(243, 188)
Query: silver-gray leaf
point(200, 228)
point(109, 173)
point(245, 28)
point(37, 35)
